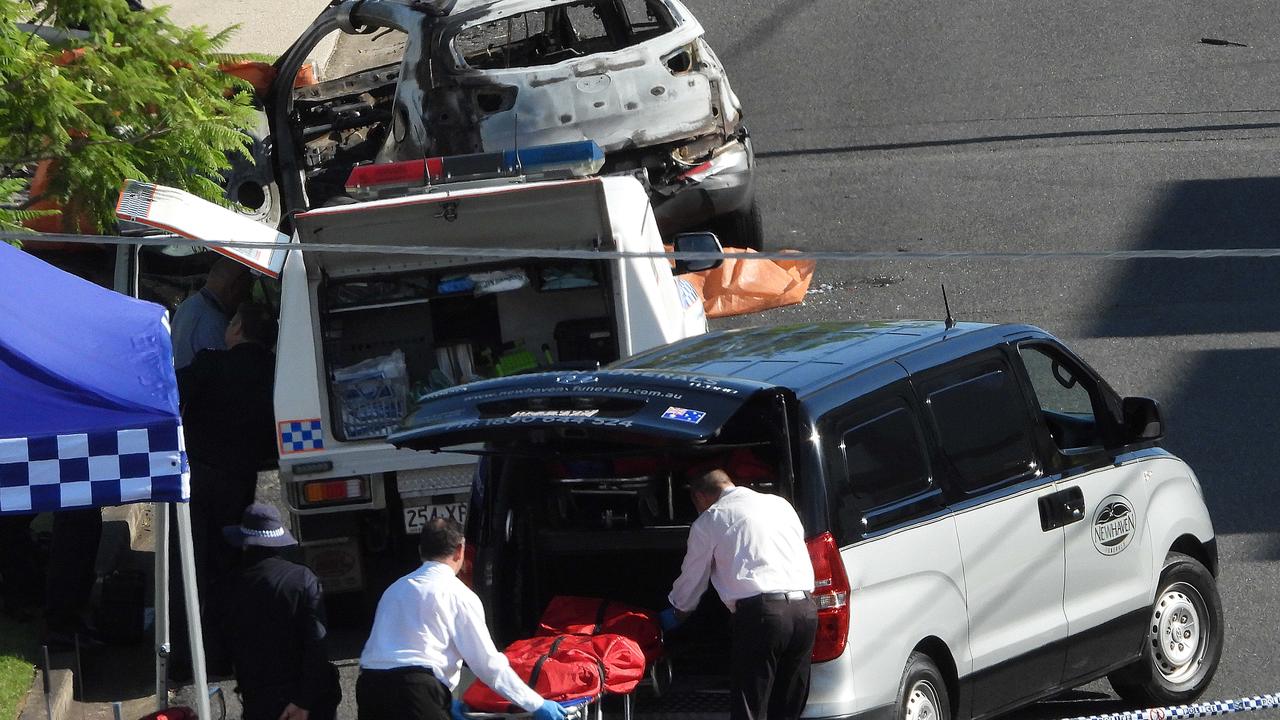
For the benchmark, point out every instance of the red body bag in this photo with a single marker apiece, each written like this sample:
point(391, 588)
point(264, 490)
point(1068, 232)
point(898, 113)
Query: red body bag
point(568, 667)
point(568, 615)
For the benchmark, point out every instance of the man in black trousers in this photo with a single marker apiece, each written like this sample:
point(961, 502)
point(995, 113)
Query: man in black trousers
point(750, 546)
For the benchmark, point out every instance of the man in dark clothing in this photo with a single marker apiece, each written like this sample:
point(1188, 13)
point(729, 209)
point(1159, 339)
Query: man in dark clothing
point(271, 626)
point(73, 558)
point(21, 572)
point(229, 425)
point(200, 322)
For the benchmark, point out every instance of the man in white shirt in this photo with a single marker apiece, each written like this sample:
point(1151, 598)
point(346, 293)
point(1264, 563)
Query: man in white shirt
point(427, 623)
point(750, 546)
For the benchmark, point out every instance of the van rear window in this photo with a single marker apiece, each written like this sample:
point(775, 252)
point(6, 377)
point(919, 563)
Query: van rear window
point(562, 32)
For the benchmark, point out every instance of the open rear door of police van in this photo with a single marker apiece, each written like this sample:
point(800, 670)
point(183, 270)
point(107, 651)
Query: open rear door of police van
point(563, 215)
point(634, 407)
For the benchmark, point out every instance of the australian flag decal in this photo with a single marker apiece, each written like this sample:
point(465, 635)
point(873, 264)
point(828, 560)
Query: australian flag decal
point(683, 415)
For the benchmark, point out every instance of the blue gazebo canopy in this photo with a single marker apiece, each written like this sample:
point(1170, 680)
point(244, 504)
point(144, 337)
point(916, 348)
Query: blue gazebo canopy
point(88, 397)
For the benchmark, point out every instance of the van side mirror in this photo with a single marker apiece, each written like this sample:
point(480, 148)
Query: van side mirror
point(697, 242)
point(1142, 419)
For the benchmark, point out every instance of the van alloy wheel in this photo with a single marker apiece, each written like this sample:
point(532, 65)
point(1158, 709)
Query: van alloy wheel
point(922, 703)
point(1179, 632)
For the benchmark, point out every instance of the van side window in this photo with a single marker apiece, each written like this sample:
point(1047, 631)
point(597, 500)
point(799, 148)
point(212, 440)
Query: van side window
point(885, 470)
point(1066, 397)
point(884, 459)
point(982, 426)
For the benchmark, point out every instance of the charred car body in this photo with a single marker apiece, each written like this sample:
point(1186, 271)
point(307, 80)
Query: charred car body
point(635, 76)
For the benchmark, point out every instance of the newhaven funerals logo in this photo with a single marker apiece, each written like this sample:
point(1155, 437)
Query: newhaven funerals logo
point(1114, 525)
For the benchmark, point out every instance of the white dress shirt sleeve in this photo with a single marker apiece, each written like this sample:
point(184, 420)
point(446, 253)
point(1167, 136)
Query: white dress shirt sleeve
point(477, 649)
point(695, 572)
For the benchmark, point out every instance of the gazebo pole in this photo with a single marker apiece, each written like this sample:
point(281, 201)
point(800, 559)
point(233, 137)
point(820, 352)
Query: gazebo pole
point(160, 517)
point(186, 551)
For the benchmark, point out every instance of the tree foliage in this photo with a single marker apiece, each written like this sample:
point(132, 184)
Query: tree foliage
point(108, 94)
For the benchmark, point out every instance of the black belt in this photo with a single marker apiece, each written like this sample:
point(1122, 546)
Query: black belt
point(791, 595)
point(404, 670)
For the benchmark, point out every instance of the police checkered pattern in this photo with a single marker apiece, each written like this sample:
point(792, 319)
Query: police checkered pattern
point(1198, 710)
point(61, 472)
point(301, 436)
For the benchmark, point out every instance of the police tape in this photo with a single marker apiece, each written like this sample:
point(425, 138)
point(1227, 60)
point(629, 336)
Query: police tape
point(591, 254)
point(1204, 709)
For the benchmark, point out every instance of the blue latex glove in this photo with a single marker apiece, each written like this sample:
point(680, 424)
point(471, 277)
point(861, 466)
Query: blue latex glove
point(550, 710)
point(668, 620)
point(457, 710)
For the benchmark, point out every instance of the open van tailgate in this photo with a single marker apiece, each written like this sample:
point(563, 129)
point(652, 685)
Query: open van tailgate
point(636, 406)
point(560, 215)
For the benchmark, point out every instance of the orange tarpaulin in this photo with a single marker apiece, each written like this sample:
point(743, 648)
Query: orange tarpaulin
point(738, 286)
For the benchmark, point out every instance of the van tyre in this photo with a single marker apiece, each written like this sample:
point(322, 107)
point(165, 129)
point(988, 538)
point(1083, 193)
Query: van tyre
point(1183, 641)
point(742, 228)
point(922, 694)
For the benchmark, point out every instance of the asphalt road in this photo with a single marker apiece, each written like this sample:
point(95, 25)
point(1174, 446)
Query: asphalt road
point(1016, 126)
point(1040, 126)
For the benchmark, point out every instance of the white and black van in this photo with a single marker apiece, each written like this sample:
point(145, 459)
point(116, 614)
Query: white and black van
point(989, 522)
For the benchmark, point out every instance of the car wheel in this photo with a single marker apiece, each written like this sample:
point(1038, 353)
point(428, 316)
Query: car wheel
point(1183, 638)
point(922, 695)
point(741, 228)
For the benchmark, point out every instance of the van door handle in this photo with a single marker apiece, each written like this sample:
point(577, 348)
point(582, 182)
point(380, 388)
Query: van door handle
point(1072, 505)
point(1061, 508)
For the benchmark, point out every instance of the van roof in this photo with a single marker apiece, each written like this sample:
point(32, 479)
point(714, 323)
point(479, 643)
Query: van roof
point(686, 392)
point(806, 357)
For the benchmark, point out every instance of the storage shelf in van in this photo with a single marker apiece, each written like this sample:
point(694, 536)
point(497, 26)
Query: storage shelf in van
point(594, 542)
point(377, 306)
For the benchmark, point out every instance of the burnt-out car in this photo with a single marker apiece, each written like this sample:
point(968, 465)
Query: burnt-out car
point(445, 78)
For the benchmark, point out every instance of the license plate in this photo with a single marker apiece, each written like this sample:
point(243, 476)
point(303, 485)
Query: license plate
point(416, 517)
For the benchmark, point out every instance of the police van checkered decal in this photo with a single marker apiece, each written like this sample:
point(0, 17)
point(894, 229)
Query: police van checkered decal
point(301, 436)
point(58, 472)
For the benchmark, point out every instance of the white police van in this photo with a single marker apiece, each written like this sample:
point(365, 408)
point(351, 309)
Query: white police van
point(989, 522)
point(363, 334)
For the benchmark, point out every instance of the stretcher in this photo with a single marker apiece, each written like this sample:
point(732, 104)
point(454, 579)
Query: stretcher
point(582, 709)
point(585, 650)
point(657, 680)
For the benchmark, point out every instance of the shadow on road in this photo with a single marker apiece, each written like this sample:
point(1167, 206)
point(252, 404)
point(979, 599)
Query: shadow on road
point(1223, 416)
point(1176, 297)
point(1073, 703)
point(1224, 421)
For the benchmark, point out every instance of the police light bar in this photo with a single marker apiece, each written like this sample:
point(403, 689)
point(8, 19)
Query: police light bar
point(573, 159)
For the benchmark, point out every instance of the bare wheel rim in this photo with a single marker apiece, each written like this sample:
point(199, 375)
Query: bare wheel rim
point(922, 702)
point(1179, 632)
